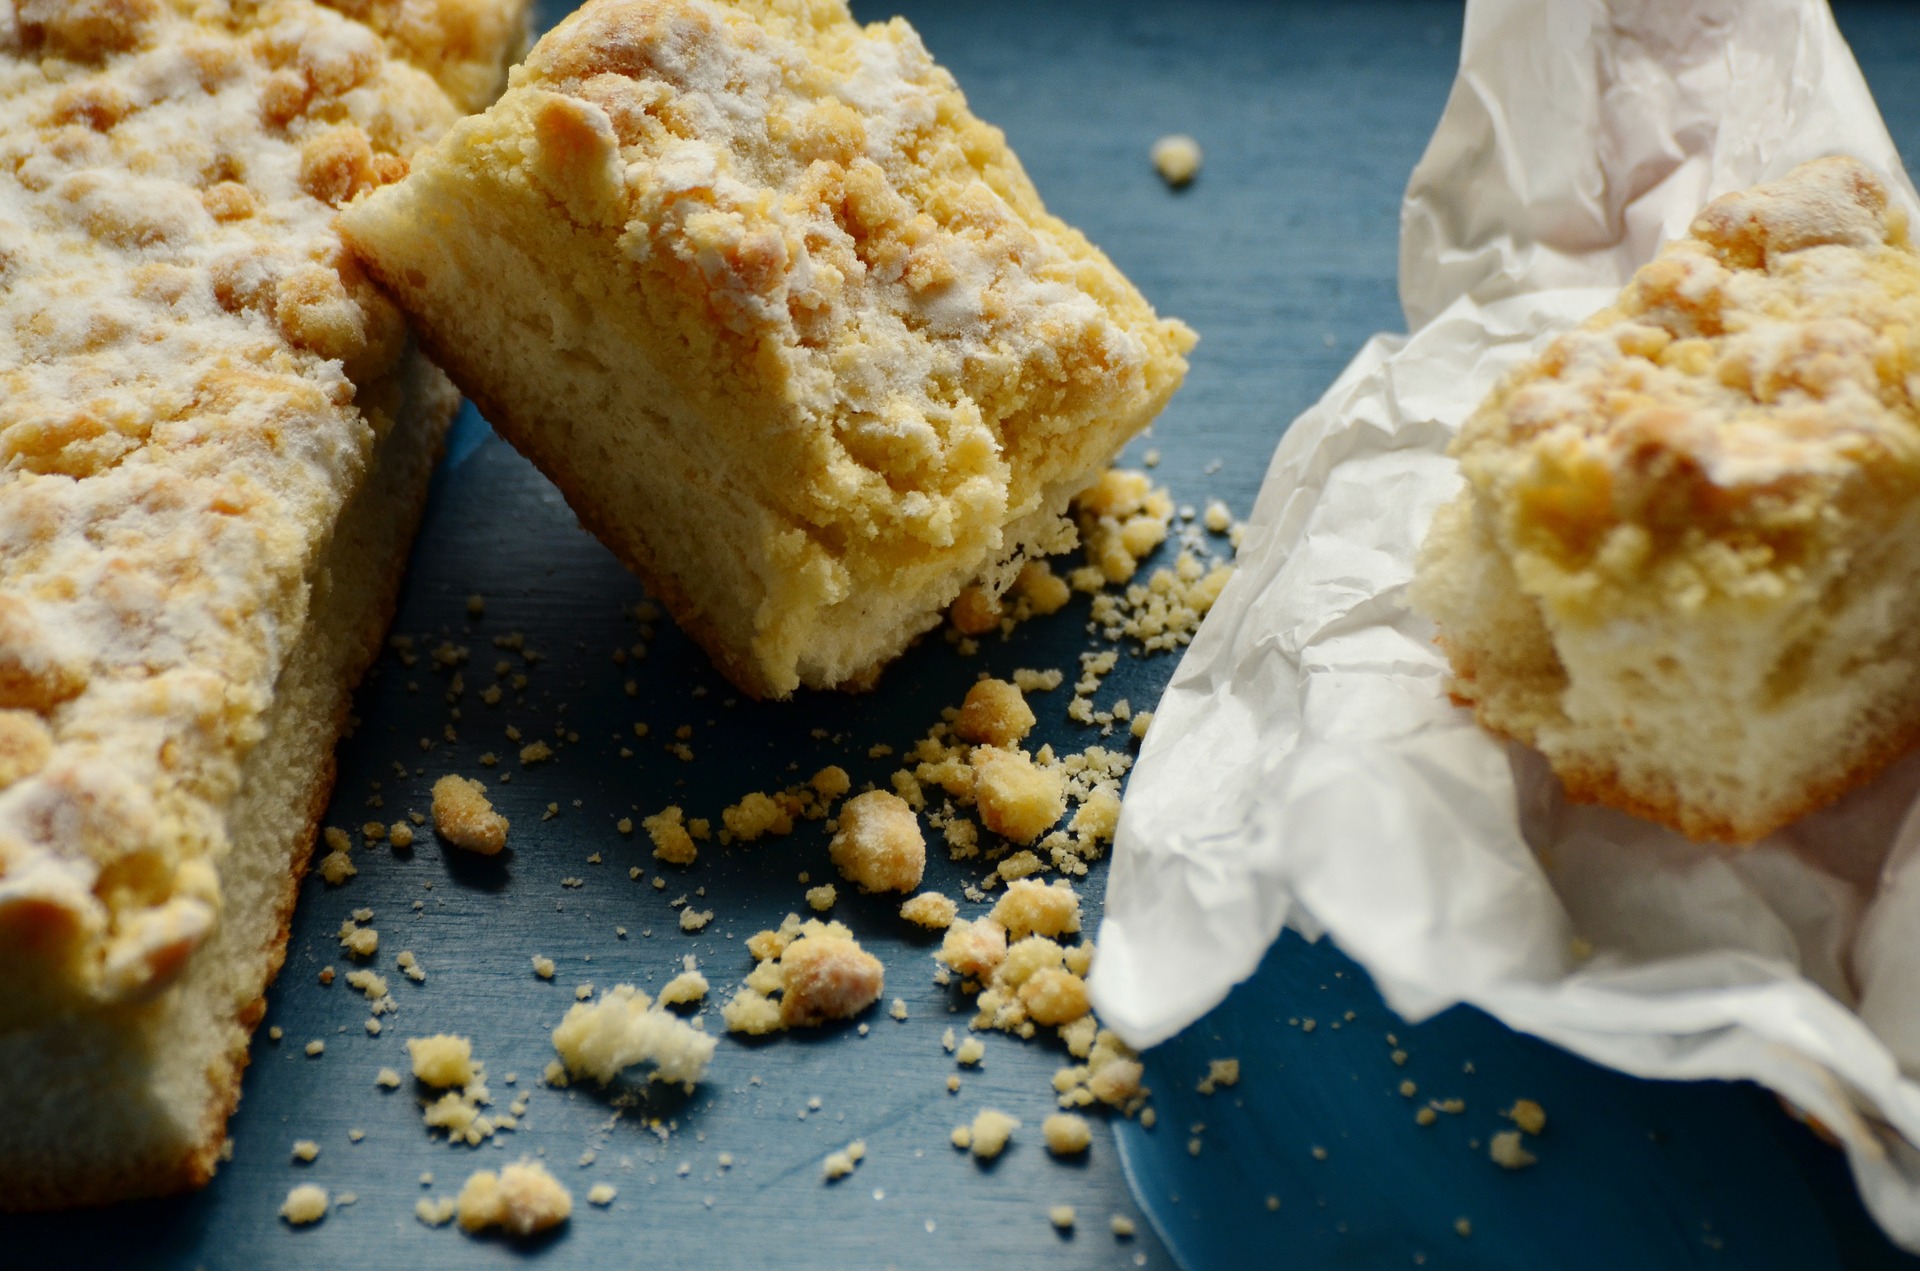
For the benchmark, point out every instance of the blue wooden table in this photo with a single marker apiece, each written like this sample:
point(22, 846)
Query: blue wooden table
point(1282, 256)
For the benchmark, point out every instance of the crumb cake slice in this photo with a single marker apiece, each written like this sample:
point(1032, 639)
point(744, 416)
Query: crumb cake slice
point(788, 326)
point(216, 438)
point(1686, 563)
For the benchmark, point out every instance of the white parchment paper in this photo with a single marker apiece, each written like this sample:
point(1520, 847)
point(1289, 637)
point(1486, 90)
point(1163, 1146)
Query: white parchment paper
point(1306, 768)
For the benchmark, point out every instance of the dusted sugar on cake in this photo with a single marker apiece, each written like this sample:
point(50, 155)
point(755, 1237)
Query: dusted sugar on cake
point(788, 326)
point(1686, 563)
point(215, 438)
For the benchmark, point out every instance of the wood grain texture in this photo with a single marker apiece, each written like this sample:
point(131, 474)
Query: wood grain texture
point(1282, 256)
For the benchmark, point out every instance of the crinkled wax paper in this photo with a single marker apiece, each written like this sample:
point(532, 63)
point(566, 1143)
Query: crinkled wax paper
point(1306, 767)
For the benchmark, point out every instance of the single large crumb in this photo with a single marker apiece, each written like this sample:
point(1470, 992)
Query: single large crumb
point(879, 846)
point(1528, 1115)
point(304, 1204)
point(443, 1059)
point(820, 972)
point(1177, 159)
point(995, 713)
point(1017, 799)
point(463, 816)
point(988, 1135)
point(1067, 1134)
point(929, 909)
point(671, 841)
point(1031, 907)
point(624, 1028)
point(1507, 1152)
point(521, 1199)
point(1220, 1072)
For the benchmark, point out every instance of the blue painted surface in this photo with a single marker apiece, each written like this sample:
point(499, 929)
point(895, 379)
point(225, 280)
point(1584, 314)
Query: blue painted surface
point(1282, 256)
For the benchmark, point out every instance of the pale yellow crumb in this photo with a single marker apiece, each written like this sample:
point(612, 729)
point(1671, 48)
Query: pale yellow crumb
point(336, 867)
point(990, 1133)
point(822, 898)
point(316, 1048)
point(387, 1079)
point(305, 1149)
point(1067, 1134)
point(692, 919)
point(543, 966)
point(971, 1052)
point(1061, 1216)
point(463, 816)
point(304, 1204)
point(1031, 907)
point(442, 1060)
point(435, 1213)
point(1507, 1152)
point(602, 1194)
point(521, 1199)
point(625, 1027)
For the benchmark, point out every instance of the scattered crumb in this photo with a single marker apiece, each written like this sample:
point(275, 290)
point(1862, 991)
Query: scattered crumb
point(442, 1060)
point(671, 841)
point(463, 816)
point(602, 1194)
point(387, 1079)
point(692, 919)
point(930, 909)
point(1122, 1227)
point(304, 1204)
point(1061, 1216)
point(435, 1213)
point(822, 898)
point(305, 1149)
point(1220, 1072)
point(1067, 1134)
point(625, 1028)
point(989, 1134)
point(316, 1048)
point(521, 1199)
point(1528, 1115)
point(819, 970)
point(879, 846)
point(1506, 1151)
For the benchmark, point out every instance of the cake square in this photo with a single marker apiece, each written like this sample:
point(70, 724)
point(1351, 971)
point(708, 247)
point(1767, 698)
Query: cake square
point(216, 438)
point(787, 325)
point(1686, 562)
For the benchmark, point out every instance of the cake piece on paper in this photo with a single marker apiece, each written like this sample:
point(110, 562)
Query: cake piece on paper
point(1686, 563)
point(216, 437)
point(788, 326)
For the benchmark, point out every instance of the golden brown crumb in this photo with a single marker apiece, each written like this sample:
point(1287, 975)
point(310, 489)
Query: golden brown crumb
point(1220, 1072)
point(879, 846)
point(929, 909)
point(400, 834)
point(336, 867)
point(995, 713)
point(1016, 798)
point(1528, 1115)
point(819, 970)
point(671, 842)
point(463, 816)
point(521, 1199)
point(304, 1204)
point(756, 814)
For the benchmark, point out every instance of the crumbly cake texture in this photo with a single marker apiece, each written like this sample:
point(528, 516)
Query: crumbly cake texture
point(1686, 562)
point(216, 439)
point(789, 326)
